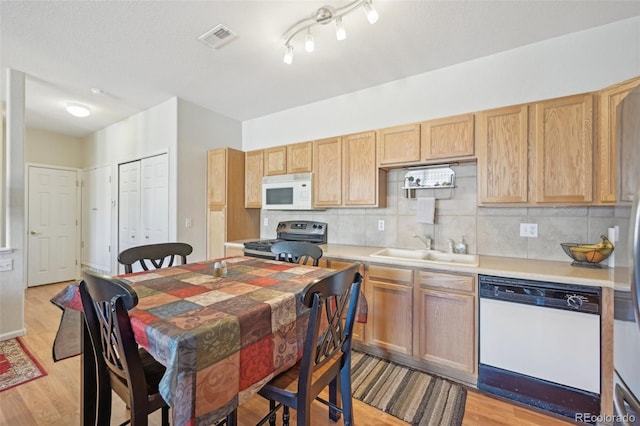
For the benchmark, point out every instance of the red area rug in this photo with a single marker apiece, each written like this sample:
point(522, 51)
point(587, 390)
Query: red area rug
point(17, 365)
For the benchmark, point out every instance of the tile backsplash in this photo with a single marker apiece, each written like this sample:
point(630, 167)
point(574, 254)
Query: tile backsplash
point(491, 231)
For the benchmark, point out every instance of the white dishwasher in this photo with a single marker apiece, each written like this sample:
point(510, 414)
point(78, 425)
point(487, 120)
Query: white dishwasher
point(540, 344)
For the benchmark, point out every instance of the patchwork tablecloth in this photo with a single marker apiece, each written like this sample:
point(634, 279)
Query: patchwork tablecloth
point(221, 338)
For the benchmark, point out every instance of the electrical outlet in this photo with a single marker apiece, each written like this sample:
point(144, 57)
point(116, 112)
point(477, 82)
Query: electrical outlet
point(529, 230)
point(265, 221)
point(188, 222)
point(381, 225)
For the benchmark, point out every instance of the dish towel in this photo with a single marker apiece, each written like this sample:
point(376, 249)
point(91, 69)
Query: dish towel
point(425, 210)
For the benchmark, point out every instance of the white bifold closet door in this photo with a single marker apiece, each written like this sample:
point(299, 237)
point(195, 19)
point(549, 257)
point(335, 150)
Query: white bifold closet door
point(143, 214)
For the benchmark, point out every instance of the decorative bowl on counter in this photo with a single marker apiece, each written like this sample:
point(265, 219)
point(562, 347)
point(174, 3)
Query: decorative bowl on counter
point(589, 255)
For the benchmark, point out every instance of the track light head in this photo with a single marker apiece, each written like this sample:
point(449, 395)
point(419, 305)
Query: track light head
point(288, 55)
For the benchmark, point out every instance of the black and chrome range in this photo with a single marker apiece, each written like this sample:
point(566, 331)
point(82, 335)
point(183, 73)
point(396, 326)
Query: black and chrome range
point(289, 230)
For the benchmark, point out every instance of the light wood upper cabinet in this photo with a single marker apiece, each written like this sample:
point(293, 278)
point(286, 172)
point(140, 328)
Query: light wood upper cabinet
point(299, 157)
point(608, 182)
point(327, 172)
point(398, 145)
point(502, 143)
point(275, 160)
point(294, 158)
point(363, 183)
point(563, 150)
point(389, 293)
point(227, 218)
point(253, 173)
point(449, 137)
point(217, 177)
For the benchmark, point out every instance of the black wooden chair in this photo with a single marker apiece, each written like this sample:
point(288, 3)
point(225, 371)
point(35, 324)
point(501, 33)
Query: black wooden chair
point(326, 358)
point(130, 371)
point(297, 252)
point(155, 254)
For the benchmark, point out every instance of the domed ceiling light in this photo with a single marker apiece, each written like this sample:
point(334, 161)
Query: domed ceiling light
point(324, 16)
point(78, 110)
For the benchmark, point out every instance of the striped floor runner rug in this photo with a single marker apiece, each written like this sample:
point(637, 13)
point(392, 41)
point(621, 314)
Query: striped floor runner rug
point(410, 395)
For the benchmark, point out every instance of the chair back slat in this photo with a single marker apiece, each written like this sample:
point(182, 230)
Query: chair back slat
point(329, 330)
point(297, 252)
point(105, 302)
point(155, 255)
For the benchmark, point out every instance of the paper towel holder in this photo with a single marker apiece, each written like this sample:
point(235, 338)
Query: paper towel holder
point(441, 176)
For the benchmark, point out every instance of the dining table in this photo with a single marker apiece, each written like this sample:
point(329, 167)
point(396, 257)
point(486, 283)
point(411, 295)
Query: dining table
point(220, 337)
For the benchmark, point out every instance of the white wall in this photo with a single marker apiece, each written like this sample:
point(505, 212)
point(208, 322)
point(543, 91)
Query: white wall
point(53, 149)
point(13, 283)
point(184, 130)
point(3, 174)
point(147, 133)
point(576, 63)
point(199, 130)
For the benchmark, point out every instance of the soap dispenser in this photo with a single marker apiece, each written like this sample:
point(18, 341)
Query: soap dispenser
point(461, 246)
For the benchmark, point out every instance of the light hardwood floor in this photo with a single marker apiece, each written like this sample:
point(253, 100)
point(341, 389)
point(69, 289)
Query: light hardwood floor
point(54, 399)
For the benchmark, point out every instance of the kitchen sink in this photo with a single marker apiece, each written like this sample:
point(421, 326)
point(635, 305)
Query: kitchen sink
point(428, 256)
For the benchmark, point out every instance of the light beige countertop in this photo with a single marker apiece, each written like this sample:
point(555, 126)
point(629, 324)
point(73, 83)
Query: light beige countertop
point(540, 270)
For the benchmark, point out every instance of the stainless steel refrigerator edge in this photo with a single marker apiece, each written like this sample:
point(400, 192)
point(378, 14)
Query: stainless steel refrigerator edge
point(626, 353)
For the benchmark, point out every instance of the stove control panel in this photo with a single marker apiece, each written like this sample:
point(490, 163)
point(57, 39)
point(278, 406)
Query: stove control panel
point(303, 230)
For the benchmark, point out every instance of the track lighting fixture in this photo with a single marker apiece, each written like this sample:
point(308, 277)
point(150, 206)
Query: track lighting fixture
point(323, 16)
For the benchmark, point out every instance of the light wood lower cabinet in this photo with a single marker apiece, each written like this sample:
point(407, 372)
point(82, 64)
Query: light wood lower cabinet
point(444, 323)
point(419, 317)
point(389, 293)
point(444, 329)
point(233, 251)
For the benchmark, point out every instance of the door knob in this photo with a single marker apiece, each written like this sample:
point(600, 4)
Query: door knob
point(35, 233)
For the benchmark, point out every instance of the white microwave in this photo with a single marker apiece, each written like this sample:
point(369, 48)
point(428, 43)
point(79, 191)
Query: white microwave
point(287, 192)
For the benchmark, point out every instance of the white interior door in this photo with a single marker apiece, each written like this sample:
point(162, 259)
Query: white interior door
point(52, 250)
point(129, 206)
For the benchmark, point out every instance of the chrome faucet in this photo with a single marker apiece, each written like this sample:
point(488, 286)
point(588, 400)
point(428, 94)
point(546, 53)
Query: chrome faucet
point(426, 239)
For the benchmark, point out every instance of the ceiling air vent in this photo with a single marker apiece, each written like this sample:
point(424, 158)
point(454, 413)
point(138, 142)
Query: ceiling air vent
point(218, 36)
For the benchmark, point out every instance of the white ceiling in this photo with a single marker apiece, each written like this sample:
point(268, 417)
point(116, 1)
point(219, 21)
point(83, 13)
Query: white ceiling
point(142, 53)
